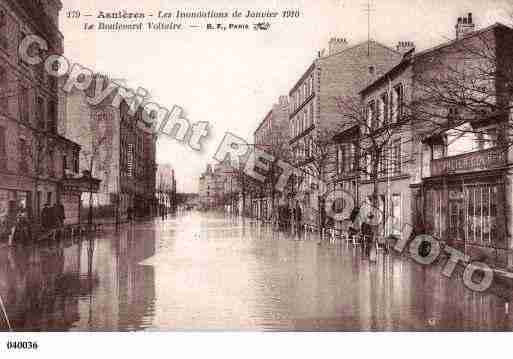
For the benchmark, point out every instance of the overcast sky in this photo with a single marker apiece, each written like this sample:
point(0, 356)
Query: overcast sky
point(231, 79)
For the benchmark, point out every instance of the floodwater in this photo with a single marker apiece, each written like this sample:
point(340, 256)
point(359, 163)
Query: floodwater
point(200, 271)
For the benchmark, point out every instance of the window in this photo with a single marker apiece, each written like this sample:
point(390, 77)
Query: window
point(52, 117)
point(384, 104)
point(76, 162)
point(346, 157)
point(3, 148)
point(395, 215)
point(371, 114)
point(367, 166)
point(30, 51)
point(130, 160)
point(50, 163)
point(398, 103)
point(383, 162)
point(3, 30)
point(311, 113)
point(312, 84)
point(396, 157)
point(40, 113)
point(487, 138)
point(23, 167)
point(4, 91)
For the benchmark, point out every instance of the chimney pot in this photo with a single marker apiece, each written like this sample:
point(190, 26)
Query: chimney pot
point(464, 26)
point(337, 44)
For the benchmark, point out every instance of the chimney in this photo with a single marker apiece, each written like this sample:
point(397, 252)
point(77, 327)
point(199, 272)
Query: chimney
point(337, 44)
point(404, 46)
point(464, 26)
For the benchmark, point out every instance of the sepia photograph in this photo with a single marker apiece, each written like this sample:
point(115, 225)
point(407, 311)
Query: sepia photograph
point(235, 167)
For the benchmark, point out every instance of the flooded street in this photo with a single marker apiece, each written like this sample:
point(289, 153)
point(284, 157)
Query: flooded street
point(202, 271)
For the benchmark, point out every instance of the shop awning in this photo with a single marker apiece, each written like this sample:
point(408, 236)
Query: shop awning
point(85, 183)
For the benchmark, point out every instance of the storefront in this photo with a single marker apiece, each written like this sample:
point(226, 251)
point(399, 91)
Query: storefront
point(468, 211)
point(71, 193)
point(464, 203)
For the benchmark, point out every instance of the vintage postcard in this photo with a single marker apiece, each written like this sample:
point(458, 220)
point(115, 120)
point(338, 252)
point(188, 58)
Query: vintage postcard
point(270, 165)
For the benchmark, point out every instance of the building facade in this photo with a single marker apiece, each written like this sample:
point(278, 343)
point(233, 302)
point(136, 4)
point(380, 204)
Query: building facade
point(446, 167)
point(119, 149)
point(272, 136)
point(315, 115)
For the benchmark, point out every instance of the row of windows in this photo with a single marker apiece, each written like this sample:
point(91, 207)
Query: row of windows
point(302, 121)
point(46, 157)
point(389, 161)
point(304, 150)
point(45, 110)
point(302, 93)
point(388, 108)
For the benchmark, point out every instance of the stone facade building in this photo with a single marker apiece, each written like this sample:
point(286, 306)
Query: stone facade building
point(119, 149)
point(37, 164)
point(272, 136)
point(446, 168)
point(315, 116)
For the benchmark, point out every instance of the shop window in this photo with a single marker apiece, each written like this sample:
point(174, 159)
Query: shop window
point(481, 214)
point(394, 223)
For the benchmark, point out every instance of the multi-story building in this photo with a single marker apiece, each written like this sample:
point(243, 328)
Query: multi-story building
point(219, 186)
point(37, 164)
point(119, 149)
point(272, 136)
point(211, 189)
point(449, 172)
point(315, 115)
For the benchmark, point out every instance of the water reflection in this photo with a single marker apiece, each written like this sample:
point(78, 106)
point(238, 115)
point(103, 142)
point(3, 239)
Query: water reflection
point(206, 272)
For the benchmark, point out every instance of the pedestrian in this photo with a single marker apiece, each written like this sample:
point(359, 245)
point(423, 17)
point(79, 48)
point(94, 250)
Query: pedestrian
point(59, 214)
point(45, 217)
point(129, 213)
point(298, 218)
point(22, 234)
point(367, 235)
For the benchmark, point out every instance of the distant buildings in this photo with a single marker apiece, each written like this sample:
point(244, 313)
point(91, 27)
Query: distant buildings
point(166, 187)
point(219, 186)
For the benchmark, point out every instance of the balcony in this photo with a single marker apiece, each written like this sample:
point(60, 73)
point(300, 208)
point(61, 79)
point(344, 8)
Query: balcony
point(470, 162)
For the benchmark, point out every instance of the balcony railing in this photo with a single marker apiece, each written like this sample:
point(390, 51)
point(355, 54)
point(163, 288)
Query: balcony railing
point(469, 162)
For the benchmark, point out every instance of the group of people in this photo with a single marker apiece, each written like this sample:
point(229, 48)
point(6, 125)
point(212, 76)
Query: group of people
point(52, 216)
point(288, 217)
point(18, 228)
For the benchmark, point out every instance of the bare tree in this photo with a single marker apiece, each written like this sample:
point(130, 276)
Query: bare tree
point(96, 135)
point(375, 157)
